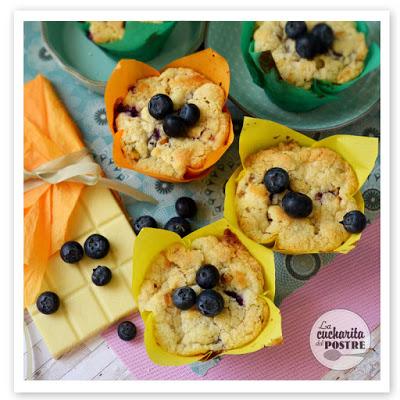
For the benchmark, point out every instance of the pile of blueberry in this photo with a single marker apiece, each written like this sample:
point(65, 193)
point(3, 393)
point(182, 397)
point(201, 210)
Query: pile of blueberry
point(185, 208)
point(209, 302)
point(176, 124)
point(96, 246)
point(299, 205)
point(309, 44)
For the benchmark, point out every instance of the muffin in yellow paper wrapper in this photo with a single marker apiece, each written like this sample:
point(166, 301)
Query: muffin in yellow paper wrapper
point(258, 134)
point(150, 242)
point(127, 72)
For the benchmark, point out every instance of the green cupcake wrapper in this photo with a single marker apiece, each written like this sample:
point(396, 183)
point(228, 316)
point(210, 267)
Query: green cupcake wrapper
point(142, 41)
point(290, 97)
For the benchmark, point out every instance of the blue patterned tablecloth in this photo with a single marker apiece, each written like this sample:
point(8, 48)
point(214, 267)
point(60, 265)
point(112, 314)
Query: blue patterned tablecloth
point(87, 109)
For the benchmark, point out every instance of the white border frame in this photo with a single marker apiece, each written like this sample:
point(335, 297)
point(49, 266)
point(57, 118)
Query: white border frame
point(379, 386)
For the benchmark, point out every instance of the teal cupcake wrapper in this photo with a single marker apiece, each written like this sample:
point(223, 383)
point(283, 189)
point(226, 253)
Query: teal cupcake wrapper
point(288, 96)
point(142, 41)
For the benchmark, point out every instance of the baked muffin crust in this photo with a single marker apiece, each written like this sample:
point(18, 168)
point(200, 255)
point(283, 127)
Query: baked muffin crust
point(318, 172)
point(106, 31)
point(110, 31)
point(144, 140)
point(241, 284)
point(342, 63)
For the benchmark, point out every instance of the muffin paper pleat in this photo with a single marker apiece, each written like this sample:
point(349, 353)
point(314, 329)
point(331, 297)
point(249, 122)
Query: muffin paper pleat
point(141, 40)
point(291, 97)
point(150, 242)
point(257, 134)
point(128, 72)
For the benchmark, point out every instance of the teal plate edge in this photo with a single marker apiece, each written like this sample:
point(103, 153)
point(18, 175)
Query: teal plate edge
point(97, 85)
point(298, 127)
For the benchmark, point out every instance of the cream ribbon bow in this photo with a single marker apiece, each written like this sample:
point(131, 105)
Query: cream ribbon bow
point(78, 167)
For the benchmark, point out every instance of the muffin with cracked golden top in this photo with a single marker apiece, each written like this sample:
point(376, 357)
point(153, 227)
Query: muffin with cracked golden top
point(338, 57)
point(172, 122)
point(316, 174)
point(242, 315)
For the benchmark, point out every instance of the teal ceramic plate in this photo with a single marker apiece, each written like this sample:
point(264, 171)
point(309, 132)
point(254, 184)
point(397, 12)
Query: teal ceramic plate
point(353, 103)
point(92, 65)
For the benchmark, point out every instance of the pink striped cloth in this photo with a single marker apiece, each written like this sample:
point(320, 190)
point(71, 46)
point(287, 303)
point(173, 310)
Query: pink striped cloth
point(351, 281)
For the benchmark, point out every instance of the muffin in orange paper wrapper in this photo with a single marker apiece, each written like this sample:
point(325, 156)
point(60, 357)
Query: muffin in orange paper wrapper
point(49, 133)
point(127, 72)
point(151, 242)
point(257, 134)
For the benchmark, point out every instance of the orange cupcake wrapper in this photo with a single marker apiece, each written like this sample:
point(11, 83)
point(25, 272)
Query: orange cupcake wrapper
point(128, 72)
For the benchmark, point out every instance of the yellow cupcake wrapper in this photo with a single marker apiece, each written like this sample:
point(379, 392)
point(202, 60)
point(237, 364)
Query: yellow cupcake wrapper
point(258, 134)
point(150, 242)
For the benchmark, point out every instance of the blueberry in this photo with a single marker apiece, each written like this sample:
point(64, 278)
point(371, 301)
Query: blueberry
point(324, 36)
point(354, 221)
point(179, 225)
point(184, 298)
point(48, 303)
point(190, 113)
point(185, 207)
point(207, 276)
point(101, 275)
point(71, 252)
point(236, 296)
point(295, 29)
point(124, 108)
point(306, 46)
point(297, 205)
point(160, 105)
point(154, 138)
point(127, 330)
point(210, 303)
point(145, 221)
point(276, 180)
point(96, 246)
point(174, 126)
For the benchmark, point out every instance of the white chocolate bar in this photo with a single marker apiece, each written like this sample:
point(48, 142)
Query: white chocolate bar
point(87, 309)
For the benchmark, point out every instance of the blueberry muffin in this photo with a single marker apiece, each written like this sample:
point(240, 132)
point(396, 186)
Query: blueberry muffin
point(206, 298)
point(172, 122)
point(106, 31)
point(332, 51)
point(301, 198)
point(109, 31)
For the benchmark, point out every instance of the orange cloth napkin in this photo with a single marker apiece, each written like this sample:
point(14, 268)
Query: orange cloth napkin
point(49, 133)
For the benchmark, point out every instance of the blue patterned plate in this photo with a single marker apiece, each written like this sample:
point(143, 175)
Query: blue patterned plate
point(91, 65)
point(352, 104)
